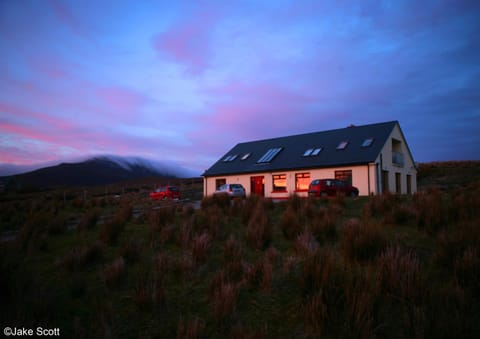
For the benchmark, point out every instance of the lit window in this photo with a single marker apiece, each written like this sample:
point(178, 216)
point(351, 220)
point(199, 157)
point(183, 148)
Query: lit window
point(342, 145)
point(316, 151)
point(367, 142)
point(245, 156)
point(308, 152)
point(269, 155)
point(279, 182)
point(302, 181)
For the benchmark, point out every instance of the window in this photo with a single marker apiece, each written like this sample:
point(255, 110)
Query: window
point(316, 151)
point(229, 158)
point(342, 145)
point(368, 142)
point(312, 152)
point(245, 156)
point(308, 152)
point(279, 182)
point(220, 182)
point(302, 181)
point(269, 155)
point(345, 176)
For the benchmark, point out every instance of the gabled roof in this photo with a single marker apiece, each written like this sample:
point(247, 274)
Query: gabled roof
point(290, 152)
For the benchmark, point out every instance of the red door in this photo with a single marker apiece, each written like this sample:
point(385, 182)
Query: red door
point(257, 185)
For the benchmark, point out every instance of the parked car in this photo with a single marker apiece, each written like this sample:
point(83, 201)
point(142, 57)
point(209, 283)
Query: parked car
point(331, 187)
point(166, 192)
point(233, 190)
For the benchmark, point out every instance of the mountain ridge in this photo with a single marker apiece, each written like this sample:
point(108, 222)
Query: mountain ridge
point(97, 170)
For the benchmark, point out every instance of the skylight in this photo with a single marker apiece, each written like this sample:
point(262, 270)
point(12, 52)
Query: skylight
point(245, 156)
point(342, 145)
point(308, 152)
point(230, 157)
point(269, 155)
point(368, 142)
point(312, 152)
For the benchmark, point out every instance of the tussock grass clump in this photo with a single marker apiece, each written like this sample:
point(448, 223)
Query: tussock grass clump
point(400, 276)
point(113, 272)
point(432, 214)
point(148, 293)
point(222, 201)
point(324, 224)
point(161, 217)
point(259, 229)
point(362, 241)
point(200, 247)
point(306, 244)
point(111, 230)
point(79, 258)
point(89, 220)
point(190, 328)
point(224, 300)
point(452, 244)
point(131, 250)
point(291, 224)
point(467, 269)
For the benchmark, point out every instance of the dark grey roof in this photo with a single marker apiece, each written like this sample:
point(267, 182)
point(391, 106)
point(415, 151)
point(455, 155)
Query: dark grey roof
point(293, 147)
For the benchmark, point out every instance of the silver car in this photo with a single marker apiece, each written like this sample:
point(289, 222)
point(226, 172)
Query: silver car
point(233, 190)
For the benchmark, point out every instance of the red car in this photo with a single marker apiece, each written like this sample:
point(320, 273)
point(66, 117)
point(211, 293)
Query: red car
point(167, 192)
point(330, 187)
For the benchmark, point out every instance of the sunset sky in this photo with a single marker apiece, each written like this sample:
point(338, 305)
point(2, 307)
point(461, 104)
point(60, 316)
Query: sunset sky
point(184, 81)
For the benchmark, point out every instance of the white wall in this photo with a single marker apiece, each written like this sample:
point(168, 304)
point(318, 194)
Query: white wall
point(360, 176)
point(384, 162)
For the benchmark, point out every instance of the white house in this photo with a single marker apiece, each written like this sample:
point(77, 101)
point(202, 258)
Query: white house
point(375, 158)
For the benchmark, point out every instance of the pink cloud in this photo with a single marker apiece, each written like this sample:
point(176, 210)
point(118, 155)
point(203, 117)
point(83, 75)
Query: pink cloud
point(188, 42)
point(252, 112)
point(120, 99)
point(65, 16)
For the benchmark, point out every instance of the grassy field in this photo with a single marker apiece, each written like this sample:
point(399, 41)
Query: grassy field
point(372, 267)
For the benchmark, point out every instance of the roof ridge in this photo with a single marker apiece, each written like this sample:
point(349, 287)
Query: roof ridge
point(325, 131)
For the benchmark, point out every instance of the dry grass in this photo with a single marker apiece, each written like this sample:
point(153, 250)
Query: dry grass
point(114, 272)
point(362, 241)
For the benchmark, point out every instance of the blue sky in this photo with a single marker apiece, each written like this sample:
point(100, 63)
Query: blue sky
point(184, 81)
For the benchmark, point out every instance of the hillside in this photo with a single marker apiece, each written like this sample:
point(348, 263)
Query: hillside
point(448, 174)
point(95, 171)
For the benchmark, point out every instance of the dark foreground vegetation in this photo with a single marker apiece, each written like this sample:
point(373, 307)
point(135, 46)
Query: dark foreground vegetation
point(373, 267)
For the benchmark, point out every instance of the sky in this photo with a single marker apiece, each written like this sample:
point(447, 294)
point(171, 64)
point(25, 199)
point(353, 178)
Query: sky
point(184, 81)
